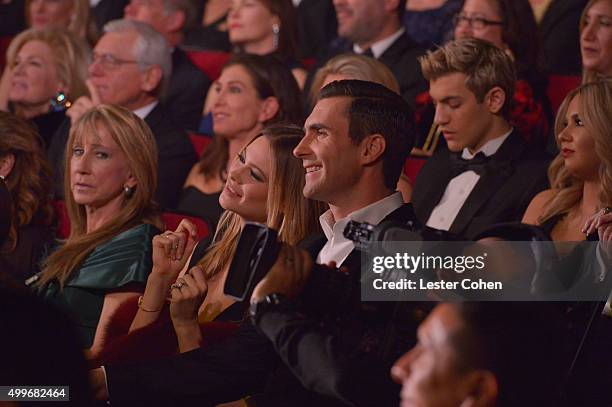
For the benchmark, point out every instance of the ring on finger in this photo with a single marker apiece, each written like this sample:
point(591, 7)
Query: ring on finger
point(607, 210)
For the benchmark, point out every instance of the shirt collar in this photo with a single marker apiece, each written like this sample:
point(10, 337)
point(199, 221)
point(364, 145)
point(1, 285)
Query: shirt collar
point(379, 47)
point(489, 148)
point(142, 112)
point(373, 214)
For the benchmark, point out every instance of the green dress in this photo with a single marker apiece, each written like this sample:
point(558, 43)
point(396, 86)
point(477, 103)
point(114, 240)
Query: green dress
point(122, 260)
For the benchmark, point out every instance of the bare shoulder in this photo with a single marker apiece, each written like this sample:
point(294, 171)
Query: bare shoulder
point(537, 205)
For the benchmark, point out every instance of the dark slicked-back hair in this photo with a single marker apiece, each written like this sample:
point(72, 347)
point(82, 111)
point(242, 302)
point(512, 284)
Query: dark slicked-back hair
point(374, 109)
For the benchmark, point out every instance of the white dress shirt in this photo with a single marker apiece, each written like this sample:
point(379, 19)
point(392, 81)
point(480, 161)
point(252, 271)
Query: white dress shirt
point(142, 112)
point(339, 247)
point(459, 188)
point(379, 47)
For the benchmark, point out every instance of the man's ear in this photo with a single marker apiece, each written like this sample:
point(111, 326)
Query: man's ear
point(373, 147)
point(175, 21)
point(269, 108)
point(391, 5)
point(151, 78)
point(7, 163)
point(495, 99)
point(483, 389)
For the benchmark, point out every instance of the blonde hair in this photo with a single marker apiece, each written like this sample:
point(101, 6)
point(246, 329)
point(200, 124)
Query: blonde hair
point(588, 75)
point(485, 65)
point(81, 24)
point(594, 108)
point(135, 140)
point(354, 66)
point(288, 212)
point(70, 56)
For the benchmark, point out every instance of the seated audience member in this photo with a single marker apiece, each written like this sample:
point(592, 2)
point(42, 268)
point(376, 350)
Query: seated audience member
point(366, 28)
point(264, 185)
point(27, 175)
point(581, 175)
point(352, 66)
point(41, 64)
point(73, 15)
point(261, 27)
point(252, 92)
point(488, 174)
point(188, 85)
point(430, 23)
point(210, 33)
point(39, 346)
point(489, 354)
point(317, 26)
point(6, 212)
point(110, 178)
point(356, 141)
point(558, 26)
point(596, 40)
point(510, 26)
point(130, 68)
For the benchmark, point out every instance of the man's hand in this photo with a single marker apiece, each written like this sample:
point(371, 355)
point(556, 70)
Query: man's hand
point(288, 275)
point(84, 103)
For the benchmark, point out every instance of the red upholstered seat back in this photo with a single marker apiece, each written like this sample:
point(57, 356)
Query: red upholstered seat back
point(558, 88)
point(412, 166)
point(199, 142)
point(172, 220)
point(210, 62)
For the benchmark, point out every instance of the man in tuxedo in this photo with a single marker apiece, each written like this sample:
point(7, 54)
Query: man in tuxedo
point(374, 28)
point(188, 84)
point(356, 142)
point(487, 175)
point(130, 68)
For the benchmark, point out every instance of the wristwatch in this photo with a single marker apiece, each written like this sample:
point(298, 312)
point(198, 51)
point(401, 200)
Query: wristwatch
point(258, 308)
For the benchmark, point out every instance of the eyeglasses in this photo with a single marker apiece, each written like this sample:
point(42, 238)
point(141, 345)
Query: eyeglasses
point(109, 62)
point(477, 23)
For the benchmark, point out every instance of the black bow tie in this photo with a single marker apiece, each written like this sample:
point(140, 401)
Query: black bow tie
point(368, 53)
point(478, 164)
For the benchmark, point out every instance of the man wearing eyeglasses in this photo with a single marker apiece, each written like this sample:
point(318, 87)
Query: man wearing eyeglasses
point(130, 67)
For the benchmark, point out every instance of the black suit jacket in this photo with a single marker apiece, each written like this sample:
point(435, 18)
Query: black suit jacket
point(186, 91)
point(324, 365)
point(560, 36)
point(175, 156)
point(502, 194)
point(401, 58)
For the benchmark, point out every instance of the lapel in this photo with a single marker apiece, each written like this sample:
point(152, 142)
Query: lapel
point(154, 117)
point(502, 164)
point(432, 184)
point(401, 46)
point(556, 10)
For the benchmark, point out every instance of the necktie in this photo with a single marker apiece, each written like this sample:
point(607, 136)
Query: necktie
point(478, 164)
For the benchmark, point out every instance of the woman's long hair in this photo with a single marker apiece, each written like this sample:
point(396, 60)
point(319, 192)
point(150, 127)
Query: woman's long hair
point(292, 215)
point(594, 107)
point(271, 78)
point(29, 182)
point(135, 140)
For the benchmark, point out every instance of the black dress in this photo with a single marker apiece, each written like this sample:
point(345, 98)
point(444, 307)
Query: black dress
point(47, 124)
point(32, 243)
point(206, 206)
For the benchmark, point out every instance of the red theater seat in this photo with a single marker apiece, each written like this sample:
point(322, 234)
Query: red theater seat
point(210, 62)
point(4, 44)
point(412, 166)
point(199, 142)
point(63, 222)
point(558, 88)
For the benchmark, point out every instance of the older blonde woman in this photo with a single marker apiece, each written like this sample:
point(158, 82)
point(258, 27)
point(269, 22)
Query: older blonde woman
point(41, 65)
point(74, 15)
point(110, 173)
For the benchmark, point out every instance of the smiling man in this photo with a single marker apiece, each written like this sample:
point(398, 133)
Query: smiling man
point(487, 175)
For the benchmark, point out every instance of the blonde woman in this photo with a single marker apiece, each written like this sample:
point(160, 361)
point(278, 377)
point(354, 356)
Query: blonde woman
point(353, 66)
point(596, 40)
point(40, 65)
point(111, 162)
point(73, 15)
point(581, 175)
point(264, 184)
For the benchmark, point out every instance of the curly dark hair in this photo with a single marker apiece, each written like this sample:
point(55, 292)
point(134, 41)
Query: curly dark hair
point(29, 182)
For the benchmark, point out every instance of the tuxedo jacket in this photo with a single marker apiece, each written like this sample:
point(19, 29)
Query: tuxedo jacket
point(186, 91)
point(401, 58)
point(560, 36)
point(175, 156)
point(502, 193)
point(294, 360)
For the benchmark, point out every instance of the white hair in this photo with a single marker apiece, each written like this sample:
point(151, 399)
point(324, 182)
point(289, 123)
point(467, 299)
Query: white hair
point(151, 48)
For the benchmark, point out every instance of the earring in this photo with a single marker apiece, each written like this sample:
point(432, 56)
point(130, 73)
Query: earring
point(275, 31)
point(128, 191)
point(2, 177)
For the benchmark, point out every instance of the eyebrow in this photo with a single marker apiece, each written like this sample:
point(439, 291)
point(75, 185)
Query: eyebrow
point(318, 126)
point(235, 82)
point(449, 98)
